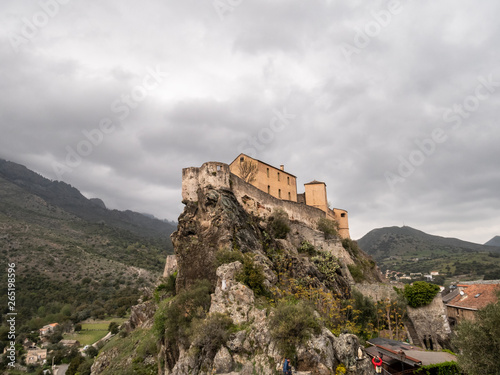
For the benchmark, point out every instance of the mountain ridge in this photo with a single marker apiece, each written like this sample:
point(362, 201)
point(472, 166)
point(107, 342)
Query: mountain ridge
point(406, 249)
point(66, 255)
point(69, 198)
point(495, 241)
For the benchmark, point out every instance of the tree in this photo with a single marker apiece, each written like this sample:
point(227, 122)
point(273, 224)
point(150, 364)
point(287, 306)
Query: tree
point(113, 328)
point(328, 227)
point(478, 342)
point(420, 293)
point(279, 223)
point(292, 324)
point(248, 171)
point(91, 352)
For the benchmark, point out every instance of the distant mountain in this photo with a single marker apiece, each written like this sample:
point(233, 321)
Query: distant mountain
point(495, 241)
point(73, 252)
point(394, 241)
point(407, 249)
point(69, 199)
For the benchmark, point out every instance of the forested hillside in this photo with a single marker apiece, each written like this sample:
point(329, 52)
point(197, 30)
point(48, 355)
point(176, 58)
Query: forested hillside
point(72, 264)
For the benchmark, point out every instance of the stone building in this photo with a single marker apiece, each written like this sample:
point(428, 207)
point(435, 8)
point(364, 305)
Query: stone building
point(463, 303)
point(283, 185)
point(36, 355)
point(272, 180)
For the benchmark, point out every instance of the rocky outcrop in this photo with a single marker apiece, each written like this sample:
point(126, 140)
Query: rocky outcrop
point(215, 221)
point(252, 350)
point(141, 316)
point(170, 265)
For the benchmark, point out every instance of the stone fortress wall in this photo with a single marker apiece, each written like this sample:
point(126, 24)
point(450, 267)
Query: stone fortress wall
point(254, 200)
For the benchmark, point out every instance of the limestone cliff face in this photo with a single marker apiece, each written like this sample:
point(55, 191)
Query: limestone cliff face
point(223, 212)
point(217, 221)
point(252, 351)
point(214, 221)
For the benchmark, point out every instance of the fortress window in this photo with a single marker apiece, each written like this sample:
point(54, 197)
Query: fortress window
point(267, 172)
point(279, 193)
point(288, 180)
point(342, 214)
point(289, 196)
point(242, 159)
point(278, 176)
point(219, 168)
point(268, 189)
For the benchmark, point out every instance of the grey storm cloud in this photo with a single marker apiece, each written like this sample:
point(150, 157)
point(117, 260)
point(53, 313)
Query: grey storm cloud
point(393, 104)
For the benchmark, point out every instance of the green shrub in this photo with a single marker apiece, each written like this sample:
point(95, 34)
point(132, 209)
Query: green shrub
point(225, 256)
point(166, 289)
point(356, 273)
point(351, 246)
point(292, 325)
point(173, 317)
point(420, 293)
point(444, 368)
point(327, 264)
point(210, 334)
point(328, 227)
point(279, 224)
point(307, 248)
point(253, 276)
point(113, 328)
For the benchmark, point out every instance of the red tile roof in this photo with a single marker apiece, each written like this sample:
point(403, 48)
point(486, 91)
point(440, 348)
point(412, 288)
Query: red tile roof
point(475, 296)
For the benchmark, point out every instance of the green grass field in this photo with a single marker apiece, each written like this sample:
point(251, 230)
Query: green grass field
point(92, 331)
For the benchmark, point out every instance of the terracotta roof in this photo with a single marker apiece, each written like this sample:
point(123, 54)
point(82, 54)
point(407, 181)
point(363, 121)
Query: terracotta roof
point(475, 296)
point(314, 182)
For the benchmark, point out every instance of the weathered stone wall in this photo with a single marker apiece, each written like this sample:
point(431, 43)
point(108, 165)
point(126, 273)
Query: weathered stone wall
point(377, 292)
point(253, 199)
point(209, 174)
point(431, 321)
point(262, 204)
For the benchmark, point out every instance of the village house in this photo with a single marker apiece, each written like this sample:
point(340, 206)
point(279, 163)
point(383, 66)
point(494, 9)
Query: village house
point(36, 355)
point(47, 329)
point(70, 343)
point(28, 344)
point(468, 297)
point(283, 185)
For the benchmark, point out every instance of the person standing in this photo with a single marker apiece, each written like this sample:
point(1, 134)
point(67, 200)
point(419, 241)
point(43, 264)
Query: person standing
point(377, 363)
point(287, 367)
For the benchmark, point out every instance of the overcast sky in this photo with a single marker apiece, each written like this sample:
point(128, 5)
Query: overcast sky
point(393, 104)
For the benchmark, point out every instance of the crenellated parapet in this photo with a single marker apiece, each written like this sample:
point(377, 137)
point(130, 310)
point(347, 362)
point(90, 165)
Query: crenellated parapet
point(211, 173)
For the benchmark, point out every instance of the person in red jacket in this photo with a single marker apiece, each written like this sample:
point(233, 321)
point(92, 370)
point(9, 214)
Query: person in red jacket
point(377, 363)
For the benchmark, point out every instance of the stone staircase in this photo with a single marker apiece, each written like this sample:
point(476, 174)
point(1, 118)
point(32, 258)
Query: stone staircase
point(414, 339)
